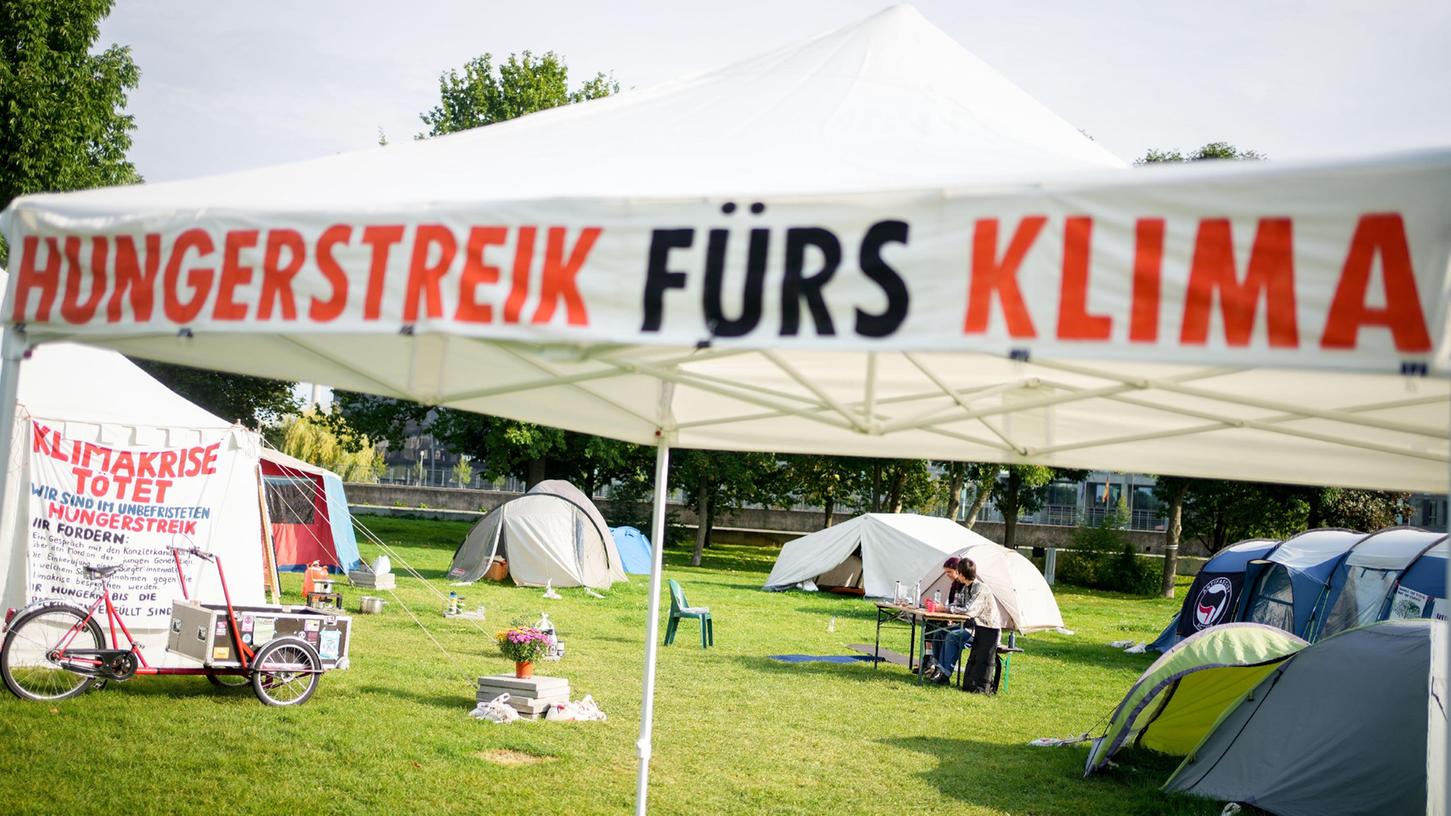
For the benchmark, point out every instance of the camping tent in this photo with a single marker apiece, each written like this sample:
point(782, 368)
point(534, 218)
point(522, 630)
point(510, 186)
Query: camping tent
point(882, 215)
point(1421, 592)
point(309, 514)
point(1364, 583)
point(1289, 584)
point(872, 552)
point(1340, 728)
point(1024, 597)
point(1217, 592)
point(552, 533)
point(77, 402)
point(634, 549)
point(1178, 699)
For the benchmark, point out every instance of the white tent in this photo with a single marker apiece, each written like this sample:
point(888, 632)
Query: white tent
point(1024, 597)
point(553, 533)
point(868, 243)
point(74, 395)
point(891, 547)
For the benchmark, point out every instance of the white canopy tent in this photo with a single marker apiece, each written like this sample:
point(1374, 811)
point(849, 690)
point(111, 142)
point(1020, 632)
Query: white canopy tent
point(868, 243)
point(892, 547)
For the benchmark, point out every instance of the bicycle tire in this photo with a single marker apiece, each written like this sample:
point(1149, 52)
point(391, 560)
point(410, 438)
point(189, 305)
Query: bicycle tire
point(36, 688)
point(292, 678)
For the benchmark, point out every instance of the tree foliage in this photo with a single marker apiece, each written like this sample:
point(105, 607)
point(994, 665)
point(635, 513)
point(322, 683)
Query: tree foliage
point(254, 401)
point(1209, 152)
point(484, 94)
point(479, 94)
point(1104, 558)
point(1022, 489)
point(309, 437)
point(63, 124)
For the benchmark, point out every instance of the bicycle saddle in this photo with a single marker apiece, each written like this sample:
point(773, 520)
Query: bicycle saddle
point(101, 572)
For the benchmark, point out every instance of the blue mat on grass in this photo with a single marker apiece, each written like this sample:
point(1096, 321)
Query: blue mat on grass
point(799, 658)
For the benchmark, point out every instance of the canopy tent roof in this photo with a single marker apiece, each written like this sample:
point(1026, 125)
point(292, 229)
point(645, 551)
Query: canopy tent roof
point(883, 145)
point(840, 248)
point(1178, 699)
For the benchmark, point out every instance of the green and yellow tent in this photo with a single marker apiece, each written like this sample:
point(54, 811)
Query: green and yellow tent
point(1183, 694)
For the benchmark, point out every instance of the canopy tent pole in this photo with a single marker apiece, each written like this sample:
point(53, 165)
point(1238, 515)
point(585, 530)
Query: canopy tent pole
point(652, 626)
point(10, 356)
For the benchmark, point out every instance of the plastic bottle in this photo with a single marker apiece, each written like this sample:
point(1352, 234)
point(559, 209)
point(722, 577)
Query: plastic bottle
point(547, 627)
point(917, 594)
point(452, 607)
point(937, 597)
point(897, 595)
point(831, 624)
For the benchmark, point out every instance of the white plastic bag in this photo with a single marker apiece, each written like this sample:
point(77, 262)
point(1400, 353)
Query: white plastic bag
point(382, 566)
point(584, 710)
point(549, 592)
point(496, 710)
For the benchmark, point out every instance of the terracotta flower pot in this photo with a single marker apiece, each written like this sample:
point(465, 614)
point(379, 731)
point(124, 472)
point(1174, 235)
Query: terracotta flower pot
point(524, 669)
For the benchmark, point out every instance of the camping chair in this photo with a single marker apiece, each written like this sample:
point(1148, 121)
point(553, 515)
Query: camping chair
point(679, 608)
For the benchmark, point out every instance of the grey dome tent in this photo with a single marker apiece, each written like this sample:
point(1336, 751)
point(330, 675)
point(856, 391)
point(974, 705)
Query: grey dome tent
point(553, 533)
point(1342, 727)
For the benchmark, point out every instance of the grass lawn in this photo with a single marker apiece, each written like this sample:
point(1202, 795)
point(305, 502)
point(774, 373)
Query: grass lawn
point(735, 732)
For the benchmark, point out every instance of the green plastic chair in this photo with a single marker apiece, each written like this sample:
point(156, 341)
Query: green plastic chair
point(679, 608)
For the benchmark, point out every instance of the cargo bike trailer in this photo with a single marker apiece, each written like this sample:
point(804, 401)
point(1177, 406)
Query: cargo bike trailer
point(54, 649)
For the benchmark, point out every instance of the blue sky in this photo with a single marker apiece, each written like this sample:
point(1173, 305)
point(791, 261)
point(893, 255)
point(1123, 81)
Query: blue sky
point(228, 86)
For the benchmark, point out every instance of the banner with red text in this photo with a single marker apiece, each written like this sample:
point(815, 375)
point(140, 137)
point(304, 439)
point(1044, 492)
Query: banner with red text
point(1332, 267)
point(101, 505)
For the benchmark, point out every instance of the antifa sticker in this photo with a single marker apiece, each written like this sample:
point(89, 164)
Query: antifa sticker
point(1212, 604)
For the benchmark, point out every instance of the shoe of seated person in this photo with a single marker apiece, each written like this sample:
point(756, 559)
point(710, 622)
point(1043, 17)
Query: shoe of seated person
point(940, 677)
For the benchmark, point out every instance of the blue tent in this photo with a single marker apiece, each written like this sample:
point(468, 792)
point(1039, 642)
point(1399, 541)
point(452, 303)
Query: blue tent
point(1361, 587)
point(1217, 591)
point(1290, 583)
point(634, 549)
point(1421, 592)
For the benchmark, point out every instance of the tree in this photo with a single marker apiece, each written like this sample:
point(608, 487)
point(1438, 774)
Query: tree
point(1171, 491)
point(830, 481)
point(980, 475)
point(1211, 151)
point(1218, 513)
point(1023, 490)
point(256, 402)
point(1356, 509)
point(463, 472)
point(63, 124)
point(719, 481)
point(479, 95)
point(310, 438)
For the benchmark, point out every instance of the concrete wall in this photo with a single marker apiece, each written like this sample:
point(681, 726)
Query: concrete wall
point(741, 526)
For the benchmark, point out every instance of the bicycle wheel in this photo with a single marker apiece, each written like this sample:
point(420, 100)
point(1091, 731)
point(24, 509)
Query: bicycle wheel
point(25, 660)
point(285, 672)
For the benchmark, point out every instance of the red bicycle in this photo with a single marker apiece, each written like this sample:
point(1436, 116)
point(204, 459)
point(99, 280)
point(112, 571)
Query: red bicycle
point(54, 649)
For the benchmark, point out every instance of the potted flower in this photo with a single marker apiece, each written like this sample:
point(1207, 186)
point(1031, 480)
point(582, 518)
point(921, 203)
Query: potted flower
point(524, 645)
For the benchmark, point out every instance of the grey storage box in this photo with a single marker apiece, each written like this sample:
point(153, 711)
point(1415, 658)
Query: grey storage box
point(201, 631)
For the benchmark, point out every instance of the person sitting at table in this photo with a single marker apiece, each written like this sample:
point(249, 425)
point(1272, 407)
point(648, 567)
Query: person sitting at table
point(977, 602)
point(954, 591)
